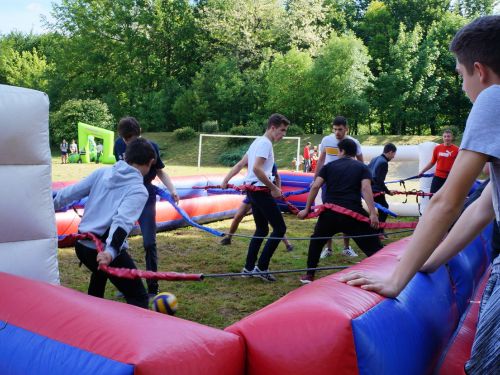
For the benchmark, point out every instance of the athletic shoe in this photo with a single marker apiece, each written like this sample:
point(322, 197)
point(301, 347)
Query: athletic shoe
point(246, 273)
point(263, 274)
point(349, 252)
point(226, 241)
point(307, 279)
point(326, 253)
point(289, 247)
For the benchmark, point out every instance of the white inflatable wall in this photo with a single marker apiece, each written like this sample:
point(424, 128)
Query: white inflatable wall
point(28, 238)
point(409, 160)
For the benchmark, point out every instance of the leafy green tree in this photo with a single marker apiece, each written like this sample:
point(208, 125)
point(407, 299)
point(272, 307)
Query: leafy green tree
point(25, 69)
point(339, 79)
point(64, 122)
point(288, 86)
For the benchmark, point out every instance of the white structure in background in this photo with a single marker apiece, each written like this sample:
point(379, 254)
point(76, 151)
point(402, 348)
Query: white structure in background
point(408, 162)
point(28, 237)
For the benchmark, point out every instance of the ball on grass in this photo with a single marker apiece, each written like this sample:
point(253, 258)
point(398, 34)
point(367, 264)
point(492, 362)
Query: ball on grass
point(165, 303)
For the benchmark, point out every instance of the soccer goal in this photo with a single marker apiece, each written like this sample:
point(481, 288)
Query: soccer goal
point(244, 136)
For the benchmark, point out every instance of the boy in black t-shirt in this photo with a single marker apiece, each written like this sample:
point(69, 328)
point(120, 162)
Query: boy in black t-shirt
point(345, 179)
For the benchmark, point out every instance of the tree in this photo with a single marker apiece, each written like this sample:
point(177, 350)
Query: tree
point(25, 69)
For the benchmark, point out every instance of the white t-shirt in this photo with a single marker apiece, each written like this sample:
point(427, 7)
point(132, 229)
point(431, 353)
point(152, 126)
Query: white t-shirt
point(261, 147)
point(330, 145)
point(482, 134)
point(98, 148)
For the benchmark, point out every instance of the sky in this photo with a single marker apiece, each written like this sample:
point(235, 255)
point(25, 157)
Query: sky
point(24, 15)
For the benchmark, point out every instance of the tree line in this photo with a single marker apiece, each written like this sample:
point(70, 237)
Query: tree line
point(385, 65)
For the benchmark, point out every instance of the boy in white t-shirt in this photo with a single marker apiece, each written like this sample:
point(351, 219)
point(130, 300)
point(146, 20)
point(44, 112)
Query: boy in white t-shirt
point(260, 160)
point(478, 63)
point(329, 151)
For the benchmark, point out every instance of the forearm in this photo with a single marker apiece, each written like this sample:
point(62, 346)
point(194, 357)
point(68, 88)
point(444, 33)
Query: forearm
point(259, 172)
point(368, 197)
point(319, 165)
point(311, 197)
point(235, 170)
point(469, 225)
point(427, 167)
point(164, 177)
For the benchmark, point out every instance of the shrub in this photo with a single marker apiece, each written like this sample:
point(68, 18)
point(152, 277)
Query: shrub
point(210, 127)
point(231, 157)
point(294, 130)
point(184, 134)
point(64, 122)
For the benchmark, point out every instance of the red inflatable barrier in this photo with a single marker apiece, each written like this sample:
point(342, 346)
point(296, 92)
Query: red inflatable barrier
point(151, 342)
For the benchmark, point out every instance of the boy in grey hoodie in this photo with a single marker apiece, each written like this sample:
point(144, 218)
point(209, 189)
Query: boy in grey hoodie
point(116, 198)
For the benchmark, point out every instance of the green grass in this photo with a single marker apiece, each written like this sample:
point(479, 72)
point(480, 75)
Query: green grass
point(214, 302)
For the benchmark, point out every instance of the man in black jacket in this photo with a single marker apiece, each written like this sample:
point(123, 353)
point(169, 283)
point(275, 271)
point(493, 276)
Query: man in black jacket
point(379, 167)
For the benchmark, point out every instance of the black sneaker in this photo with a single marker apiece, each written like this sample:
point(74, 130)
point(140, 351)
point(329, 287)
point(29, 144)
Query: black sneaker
point(264, 275)
point(226, 241)
point(289, 247)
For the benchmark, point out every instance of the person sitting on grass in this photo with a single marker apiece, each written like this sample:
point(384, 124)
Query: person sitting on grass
point(345, 179)
point(478, 63)
point(243, 210)
point(116, 198)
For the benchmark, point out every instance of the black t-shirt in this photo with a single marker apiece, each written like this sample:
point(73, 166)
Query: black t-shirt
point(119, 152)
point(343, 182)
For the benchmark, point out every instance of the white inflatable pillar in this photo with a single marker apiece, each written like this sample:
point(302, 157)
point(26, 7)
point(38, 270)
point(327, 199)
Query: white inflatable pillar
point(425, 151)
point(28, 239)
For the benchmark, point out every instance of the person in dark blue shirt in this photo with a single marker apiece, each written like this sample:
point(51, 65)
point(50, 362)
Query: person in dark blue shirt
point(379, 167)
point(129, 130)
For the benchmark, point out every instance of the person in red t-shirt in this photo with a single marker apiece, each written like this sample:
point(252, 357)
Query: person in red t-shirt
point(444, 155)
point(307, 157)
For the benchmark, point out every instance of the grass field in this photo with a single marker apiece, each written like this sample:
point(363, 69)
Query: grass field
point(214, 302)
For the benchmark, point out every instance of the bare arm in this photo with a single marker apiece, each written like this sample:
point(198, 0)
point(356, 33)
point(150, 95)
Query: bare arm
point(320, 163)
point(318, 182)
point(427, 167)
point(442, 210)
point(360, 158)
point(235, 170)
point(277, 180)
point(164, 177)
point(366, 190)
point(471, 222)
point(258, 169)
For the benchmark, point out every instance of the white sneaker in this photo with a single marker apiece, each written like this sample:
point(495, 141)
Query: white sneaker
point(349, 252)
point(326, 253)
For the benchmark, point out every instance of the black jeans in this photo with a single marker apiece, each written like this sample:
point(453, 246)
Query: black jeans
point(265, 211)
point(147, 222)
point(382, 216)
point(330, 223)
point(437, 183)
point(133, 290)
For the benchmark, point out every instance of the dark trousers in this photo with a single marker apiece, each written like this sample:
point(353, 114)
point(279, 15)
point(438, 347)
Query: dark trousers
point(330, 223)
point(147, 222)
point(437, 183)
point(382, 216)
point(133, 290)
point(265, 211)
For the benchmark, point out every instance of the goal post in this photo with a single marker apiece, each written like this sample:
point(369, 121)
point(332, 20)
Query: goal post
point(297, 164)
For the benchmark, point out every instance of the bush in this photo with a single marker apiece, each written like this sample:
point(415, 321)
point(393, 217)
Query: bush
point(210, 127)
point(231, 157)
point(64, 122)
point(184, 134)
point(294, 131)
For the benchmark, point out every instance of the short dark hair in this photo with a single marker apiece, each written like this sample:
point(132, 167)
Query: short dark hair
point(339, 120)
point(478, 41)
point(349, 147)
point(448, 131)
point(390, 147)
point(277, 120)
point(140, 152)
point(129, 127)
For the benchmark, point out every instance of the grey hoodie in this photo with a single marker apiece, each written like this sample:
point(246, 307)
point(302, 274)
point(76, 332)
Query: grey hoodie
point(116, 199)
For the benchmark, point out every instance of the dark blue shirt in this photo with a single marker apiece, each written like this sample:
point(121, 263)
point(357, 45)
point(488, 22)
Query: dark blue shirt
point(379, 167)
point(119, 152)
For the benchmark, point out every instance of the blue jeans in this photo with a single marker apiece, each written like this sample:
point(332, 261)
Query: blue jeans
point(147, 222)
point(265, 211)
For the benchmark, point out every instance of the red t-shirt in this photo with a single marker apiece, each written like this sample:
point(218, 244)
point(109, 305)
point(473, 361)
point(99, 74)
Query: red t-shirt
point(444, 156)
point(306, 153)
